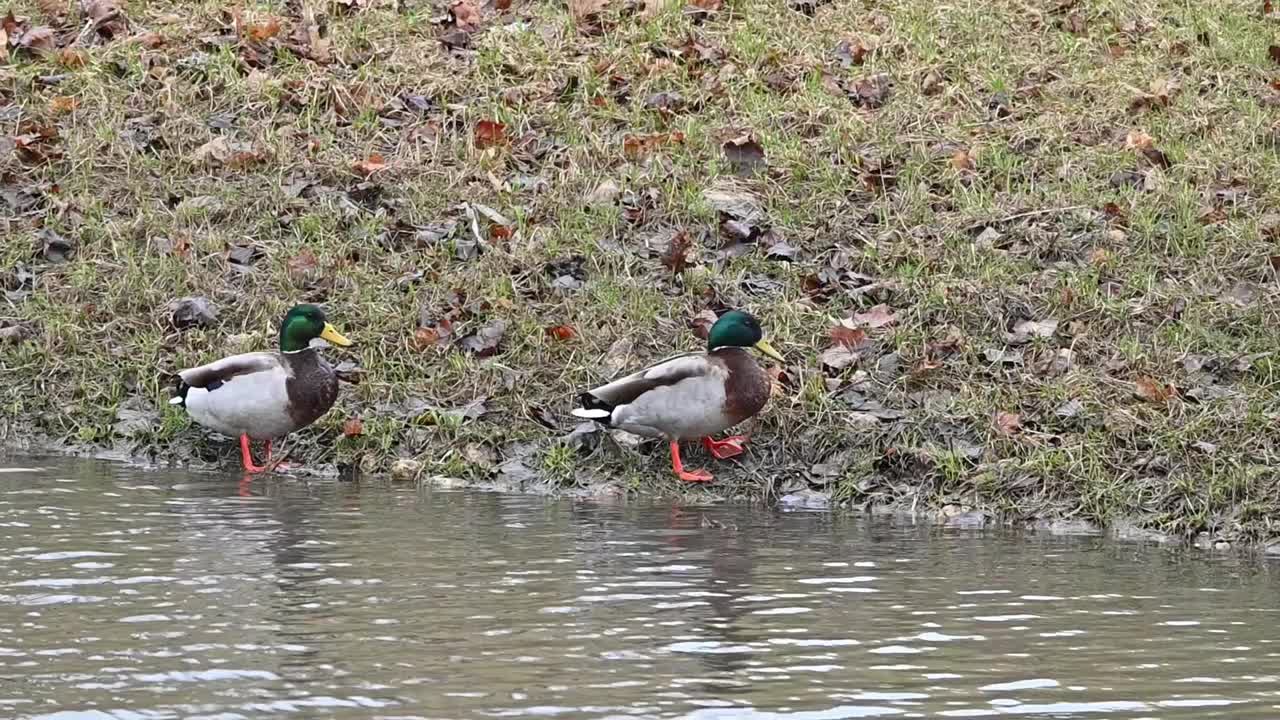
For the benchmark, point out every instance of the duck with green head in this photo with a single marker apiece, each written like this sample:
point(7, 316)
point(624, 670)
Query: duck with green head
point(266, 395)
point(693, 395)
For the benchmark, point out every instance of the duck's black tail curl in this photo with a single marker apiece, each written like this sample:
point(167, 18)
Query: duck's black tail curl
point(180, 389)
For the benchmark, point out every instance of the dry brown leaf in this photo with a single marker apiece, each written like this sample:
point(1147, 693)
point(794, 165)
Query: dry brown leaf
point(848, 337)
point(62, 104)
point(37, 39)
point(877, 317)
point(1153, 391)
point(1075, 24)
point(1138, 140)
point(54, 11)
point(316, 47)
point(702, 322)
point(582, 9)
point(489, 133)
point(263, 30)
point(301, 266)
point(72, 58)
point(231, 154)
point(151, 40)
point(839, 357)
point(676, 256)
point(1007, 423)
point(425, 338)
point(562, 332)
point(375, 163)
point(108, 18)
point(352, 427)
point(962, 160)
point(634, 146)
point(465, 14)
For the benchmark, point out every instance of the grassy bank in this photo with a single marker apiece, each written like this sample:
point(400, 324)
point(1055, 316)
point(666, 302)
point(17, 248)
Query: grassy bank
point(1048, 232)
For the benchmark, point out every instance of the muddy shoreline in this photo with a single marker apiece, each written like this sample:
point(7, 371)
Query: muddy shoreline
point(950, 517)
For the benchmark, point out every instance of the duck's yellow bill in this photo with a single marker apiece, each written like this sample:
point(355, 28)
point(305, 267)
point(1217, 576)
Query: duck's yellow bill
point(331, 334)
point(764, 347)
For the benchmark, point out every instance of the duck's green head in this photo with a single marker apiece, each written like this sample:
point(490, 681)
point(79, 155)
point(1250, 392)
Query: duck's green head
point(739, 329)
point(304, 323)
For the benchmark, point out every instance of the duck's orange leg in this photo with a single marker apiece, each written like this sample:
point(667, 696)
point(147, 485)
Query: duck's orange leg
point(685, 475)
point(246, 456)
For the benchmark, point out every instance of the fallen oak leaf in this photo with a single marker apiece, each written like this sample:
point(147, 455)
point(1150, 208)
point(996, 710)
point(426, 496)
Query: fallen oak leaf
point(302, 266)
point(489, 133)
point(1152, 391)
point(374, 163)
point(634, 146)
point(465, 15)
point(352, 427)
point(425, 338)
point(851, 53)
point(55, 11)
point(262, 30)
point(35, 40)
point(676, 256)
point(562, 332)
point(848, 337)
point(1145, 144)
point(744, 154)
point(839, 357)
point(62, 104)
point(877, 317)
point(107, 17)
point(581, 10)
point(1007, 423)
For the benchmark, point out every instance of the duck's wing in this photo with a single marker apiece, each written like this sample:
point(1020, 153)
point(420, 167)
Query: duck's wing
point(229, 367)
point(599, 403)
point(219, 371)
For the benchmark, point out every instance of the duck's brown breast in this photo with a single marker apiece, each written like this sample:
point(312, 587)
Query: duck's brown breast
point(746, 389)
point(313, 388)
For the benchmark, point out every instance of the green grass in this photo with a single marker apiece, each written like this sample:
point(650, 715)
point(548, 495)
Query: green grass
point(1139, 278)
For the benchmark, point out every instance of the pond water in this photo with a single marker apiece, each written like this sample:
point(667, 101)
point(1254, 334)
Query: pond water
point(127, 593)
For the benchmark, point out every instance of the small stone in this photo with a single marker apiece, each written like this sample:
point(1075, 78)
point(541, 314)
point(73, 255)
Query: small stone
point(405, 469)
point(626, 439)
point(189, 312)
point(1069, 409)
point(972, 520)
point(1222, 545)
point(988, 237)
point(805, 500)
point(444, 482)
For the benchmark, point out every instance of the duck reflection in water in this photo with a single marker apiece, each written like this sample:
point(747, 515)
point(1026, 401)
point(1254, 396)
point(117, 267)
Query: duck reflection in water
point(300, 558)
point(729, 562)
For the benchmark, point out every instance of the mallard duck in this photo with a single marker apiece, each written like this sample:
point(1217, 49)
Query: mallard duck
point(693, 395)
point(266, 395)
